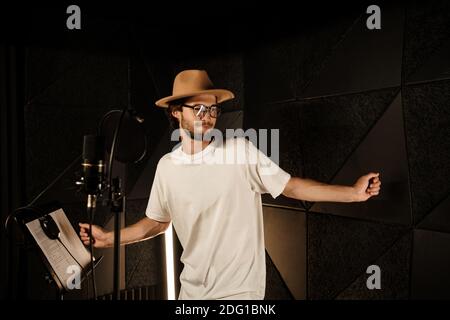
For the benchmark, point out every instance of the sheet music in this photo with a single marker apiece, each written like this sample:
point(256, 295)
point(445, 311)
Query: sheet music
point(57, 255)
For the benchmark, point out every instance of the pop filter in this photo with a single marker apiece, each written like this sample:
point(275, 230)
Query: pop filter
point(131, 144)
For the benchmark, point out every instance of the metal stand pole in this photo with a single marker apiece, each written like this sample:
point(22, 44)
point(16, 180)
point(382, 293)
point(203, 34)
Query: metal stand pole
point(117, 207)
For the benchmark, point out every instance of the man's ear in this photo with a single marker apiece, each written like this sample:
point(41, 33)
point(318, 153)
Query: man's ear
point(176, 114)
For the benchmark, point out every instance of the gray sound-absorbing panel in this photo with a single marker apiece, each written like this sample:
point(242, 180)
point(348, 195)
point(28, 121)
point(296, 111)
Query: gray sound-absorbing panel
point(331, 128)
point(430, 265)
point(365, 59)
point(427, 32)
point(436, 68)
point(394, 275)
point(53, 141)
point(45, 66)
point(427, 122)
point(439, 218)
point(144, 262)
point(383, 150)
point(95, 82)
point(289, 55)
point(276, 289)
point(341, 249)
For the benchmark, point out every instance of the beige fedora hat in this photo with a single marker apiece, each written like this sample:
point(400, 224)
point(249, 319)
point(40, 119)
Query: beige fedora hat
point(190, 83)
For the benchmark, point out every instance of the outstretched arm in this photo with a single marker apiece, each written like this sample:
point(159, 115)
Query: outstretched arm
point(144, 229)
point(315, 191)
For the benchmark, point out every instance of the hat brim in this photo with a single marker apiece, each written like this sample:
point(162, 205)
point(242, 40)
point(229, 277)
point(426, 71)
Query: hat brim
point(221, 94)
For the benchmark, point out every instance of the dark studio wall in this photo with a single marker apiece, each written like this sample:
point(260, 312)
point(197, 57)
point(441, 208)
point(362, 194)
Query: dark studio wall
point(69, 82)
point(347, 101)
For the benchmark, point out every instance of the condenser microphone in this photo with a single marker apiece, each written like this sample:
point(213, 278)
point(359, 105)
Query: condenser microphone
point(93, 164)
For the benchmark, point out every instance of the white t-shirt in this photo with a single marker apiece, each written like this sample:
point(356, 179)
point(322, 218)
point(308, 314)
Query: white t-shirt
point(213, 199)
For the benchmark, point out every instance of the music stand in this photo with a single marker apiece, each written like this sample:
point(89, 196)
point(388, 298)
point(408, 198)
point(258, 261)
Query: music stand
point(59, 254)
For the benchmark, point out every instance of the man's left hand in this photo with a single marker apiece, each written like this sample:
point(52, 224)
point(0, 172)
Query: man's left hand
point(364, 188)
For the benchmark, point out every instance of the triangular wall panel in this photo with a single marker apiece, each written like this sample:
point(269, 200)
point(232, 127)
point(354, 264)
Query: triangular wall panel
point(394, 275)
point(439, 218)
point(365, 59)
point(285, 237)
point(340, 249)
point(382, 150)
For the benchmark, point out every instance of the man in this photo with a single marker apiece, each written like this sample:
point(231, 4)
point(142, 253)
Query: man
point(215, 205)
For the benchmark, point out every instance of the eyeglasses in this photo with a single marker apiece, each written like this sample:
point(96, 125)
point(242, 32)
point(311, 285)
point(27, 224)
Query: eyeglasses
point(200, 110)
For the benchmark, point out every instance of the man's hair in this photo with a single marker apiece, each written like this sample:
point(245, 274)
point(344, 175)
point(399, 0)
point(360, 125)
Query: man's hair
point(174, 106)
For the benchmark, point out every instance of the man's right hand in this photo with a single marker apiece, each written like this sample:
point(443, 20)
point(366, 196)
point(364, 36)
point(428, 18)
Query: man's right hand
point(101, 238)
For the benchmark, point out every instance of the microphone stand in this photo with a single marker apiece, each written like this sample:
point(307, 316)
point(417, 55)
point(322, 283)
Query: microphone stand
point(91, 200)
point(118, 201)
point(117, 197)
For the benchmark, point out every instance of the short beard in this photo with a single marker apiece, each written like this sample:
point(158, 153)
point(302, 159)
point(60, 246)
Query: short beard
point(197, 137)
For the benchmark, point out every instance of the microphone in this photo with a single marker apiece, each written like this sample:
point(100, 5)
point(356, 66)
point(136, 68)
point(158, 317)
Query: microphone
point(93, 164)
point(93, 180)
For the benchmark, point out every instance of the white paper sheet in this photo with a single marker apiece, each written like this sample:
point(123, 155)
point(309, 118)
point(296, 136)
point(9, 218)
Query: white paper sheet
point(57, 255)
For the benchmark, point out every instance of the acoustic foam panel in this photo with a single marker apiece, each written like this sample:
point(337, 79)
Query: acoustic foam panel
point(270, 74)
point(439, 218)
point(365, 59)
point(53, 140)
point(144, 264)
point(427, 30)
point(382, 150)
point(331, 128)
point(69, 107)
point(97, 81)
point(286, 55)
point(437, 68)
point(47, 65)
point(341, 249)
point(394, 269)
point(46, 26)
point(285, 239)
point(276, 289)
point(160, 70)
point(430, 278)
point(427, 121)
point(143, 94)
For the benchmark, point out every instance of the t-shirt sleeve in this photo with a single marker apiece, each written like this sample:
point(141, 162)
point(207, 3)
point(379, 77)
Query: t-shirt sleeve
point(157, 204)
point(264, 175)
